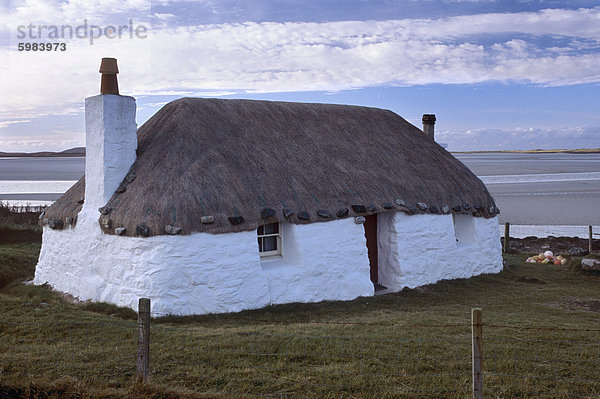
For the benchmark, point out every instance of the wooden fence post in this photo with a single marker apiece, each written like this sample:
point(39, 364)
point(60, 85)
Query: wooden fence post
point(143, 352)
point(590, 240)
point(506, 236)
point(477, 336)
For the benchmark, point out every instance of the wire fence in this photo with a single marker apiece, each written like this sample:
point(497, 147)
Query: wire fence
point(20, 214)
point(262, 358)
point(312, 365)
point(581, 232)
point(528, 230)
point(548, 367)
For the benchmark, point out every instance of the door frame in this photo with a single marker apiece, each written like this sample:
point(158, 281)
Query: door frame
point(370, 227)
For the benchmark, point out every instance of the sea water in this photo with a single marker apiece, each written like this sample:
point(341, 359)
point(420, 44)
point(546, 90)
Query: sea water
point(38, 181)
point(539, 194)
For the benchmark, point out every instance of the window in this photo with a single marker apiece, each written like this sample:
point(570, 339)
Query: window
point(464, 229)
point(269, 240)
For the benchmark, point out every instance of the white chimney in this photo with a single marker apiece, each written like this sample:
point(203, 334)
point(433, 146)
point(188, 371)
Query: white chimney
point(110, 138)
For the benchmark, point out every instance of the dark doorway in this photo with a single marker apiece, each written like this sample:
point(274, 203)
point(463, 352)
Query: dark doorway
point(371, 236)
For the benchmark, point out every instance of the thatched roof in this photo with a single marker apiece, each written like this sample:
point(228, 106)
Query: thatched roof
point(256, 162)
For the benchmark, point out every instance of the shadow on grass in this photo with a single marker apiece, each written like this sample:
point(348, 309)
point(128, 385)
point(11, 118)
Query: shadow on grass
point(109, 310)
point(68, 387)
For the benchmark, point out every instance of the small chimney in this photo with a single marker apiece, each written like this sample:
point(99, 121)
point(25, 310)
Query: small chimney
point(429, 125)
point(109, 71)
point(110, 139)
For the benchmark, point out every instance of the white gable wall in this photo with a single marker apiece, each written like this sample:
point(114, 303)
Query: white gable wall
point(423, 249)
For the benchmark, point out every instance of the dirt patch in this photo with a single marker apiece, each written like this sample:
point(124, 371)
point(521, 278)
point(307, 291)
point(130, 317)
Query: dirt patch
point(426, 289)
point(530, 280)
point(71, 299)
point(423, 289)
point(569, 246)
point(592, 305)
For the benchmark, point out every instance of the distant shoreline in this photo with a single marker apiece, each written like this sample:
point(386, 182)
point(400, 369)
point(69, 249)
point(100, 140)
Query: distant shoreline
point(80, 152)
point(72, 152)
point(555, 151)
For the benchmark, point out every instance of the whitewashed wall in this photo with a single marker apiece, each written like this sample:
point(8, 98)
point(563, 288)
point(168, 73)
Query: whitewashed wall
point(196, 274)
point(111, 141)
point(423, 249)
point(205, 273)
point(216, 273)
point(321, 261)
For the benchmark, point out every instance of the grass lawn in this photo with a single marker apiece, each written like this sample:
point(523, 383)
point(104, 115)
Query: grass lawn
point(541, 339)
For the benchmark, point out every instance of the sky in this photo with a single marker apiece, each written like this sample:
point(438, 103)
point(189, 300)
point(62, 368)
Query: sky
point(499, 75)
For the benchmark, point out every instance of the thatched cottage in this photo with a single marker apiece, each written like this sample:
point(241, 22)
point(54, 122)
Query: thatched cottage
point(222, 205)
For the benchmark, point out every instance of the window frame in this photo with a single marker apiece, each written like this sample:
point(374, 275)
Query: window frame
point(279, 240)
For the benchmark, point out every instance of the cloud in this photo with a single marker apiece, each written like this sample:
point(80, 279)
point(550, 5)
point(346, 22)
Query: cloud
point(164, 16)
point(352, 54)
point(158, 104)
point(5, 124)
point(548, 47)
point(520, 138)
point(78, 9)
point(54, 141)
point(59, 12)
point(582, 22)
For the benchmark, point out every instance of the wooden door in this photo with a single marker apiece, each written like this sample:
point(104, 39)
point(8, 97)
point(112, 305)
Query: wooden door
point(371, 236)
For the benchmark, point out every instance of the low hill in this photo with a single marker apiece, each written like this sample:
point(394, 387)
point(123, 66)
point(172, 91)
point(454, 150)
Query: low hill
point(72, 152)
point(537, 151)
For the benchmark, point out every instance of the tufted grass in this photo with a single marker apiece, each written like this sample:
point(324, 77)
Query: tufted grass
point(413, 344)
point(19, 249)
point(27, 216)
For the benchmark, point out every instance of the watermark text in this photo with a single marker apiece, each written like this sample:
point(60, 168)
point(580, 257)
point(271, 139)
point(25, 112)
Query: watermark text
point(83, 31)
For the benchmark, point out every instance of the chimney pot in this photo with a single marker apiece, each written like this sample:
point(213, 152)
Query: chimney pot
point(109, 65)
point(109, 71)
point(429, 118)
point(428, 125)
